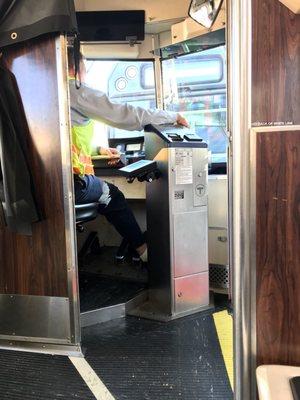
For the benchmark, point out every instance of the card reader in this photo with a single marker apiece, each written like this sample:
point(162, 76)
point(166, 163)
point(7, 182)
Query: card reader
point(190, 137)
point(175, 137)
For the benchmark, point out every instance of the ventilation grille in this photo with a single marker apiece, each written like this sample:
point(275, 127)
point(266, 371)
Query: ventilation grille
point(219, 276)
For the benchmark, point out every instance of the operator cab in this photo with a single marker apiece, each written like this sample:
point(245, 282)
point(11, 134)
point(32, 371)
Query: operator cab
point(189, 77)
point(217, 201)
point(175, 180)
point(82, 279)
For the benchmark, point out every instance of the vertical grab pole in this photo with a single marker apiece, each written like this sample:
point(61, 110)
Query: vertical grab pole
point(239, 21)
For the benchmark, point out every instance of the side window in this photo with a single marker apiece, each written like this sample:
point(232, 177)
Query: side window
point(195, 85)
point(130, 82)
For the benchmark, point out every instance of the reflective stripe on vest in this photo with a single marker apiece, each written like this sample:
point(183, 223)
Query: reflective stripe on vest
point(82, 137)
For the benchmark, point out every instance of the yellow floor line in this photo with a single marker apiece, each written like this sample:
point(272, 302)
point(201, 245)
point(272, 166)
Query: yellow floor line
point(92, 380)
point(224, 326)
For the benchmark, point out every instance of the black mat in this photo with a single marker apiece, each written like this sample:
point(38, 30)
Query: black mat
point(145, 360)
point(137, 359)
point(25, 376)
point(97, 291)
point(104, 264)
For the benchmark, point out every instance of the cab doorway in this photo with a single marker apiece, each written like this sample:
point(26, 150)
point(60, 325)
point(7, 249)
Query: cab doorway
point(112, 281)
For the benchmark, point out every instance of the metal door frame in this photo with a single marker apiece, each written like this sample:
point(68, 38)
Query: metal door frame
point(242, 196)
point(68, 186)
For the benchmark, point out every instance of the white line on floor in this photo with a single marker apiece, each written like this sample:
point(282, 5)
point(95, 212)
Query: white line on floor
point(90, 377)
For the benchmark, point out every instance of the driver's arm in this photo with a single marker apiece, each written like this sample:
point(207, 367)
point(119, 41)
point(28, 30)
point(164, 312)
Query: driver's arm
point(96, 105)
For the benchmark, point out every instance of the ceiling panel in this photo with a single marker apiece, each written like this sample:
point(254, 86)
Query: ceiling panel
point(156, 10)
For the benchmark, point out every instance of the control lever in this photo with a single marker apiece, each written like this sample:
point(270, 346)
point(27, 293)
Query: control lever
point(143, 170)
point(146, 177)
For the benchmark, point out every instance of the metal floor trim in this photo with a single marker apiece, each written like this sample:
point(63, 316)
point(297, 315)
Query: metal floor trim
point(105, 314)
point(101, 315)
point(42, 348)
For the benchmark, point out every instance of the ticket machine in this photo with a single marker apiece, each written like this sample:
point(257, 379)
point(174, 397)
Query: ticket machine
point(177, 227)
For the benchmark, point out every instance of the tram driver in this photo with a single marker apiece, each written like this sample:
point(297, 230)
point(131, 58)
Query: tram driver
point(88, 105)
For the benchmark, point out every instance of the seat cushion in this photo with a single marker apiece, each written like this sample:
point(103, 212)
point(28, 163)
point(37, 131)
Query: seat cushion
point(86, 212)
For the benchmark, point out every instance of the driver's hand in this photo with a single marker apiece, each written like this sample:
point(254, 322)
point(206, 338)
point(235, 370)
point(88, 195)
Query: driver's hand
point(112, 153)
point(182, 121)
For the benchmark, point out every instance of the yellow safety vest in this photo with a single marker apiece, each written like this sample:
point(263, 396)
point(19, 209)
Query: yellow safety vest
point(82, 137)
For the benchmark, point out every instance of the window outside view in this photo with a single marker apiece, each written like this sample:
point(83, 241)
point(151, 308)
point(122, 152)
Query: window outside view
point(123, 82)
point(193, 84)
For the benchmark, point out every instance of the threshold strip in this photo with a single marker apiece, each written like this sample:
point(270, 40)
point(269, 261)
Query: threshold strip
point(92, 380)
point(224, 326)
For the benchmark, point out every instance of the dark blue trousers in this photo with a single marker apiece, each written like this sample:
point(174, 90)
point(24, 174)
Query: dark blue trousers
point(112, 204)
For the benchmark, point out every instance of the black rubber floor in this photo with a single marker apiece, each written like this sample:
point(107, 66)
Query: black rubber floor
point(25, 376)
point(103, 264)
point(97, 291)
point(139, 359)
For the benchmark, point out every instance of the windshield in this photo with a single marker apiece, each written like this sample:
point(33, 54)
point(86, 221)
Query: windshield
point(195, 86)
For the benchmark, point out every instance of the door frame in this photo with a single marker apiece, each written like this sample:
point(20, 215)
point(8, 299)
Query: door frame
point(68, 188)
point(242, 195)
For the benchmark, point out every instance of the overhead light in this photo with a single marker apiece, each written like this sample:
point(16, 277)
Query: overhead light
point(205, 12)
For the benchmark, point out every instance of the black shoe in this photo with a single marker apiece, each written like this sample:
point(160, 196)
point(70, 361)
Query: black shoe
point(122, 251)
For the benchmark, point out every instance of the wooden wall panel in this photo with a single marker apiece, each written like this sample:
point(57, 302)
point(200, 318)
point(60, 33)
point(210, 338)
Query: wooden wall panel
point(276, 101)
point(278, 248)
point(276, 64)
point(37, 265)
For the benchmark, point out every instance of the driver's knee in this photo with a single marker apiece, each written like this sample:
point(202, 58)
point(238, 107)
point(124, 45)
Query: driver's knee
point(112, 198)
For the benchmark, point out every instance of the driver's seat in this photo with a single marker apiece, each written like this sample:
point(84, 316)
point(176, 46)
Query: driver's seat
point(85, 213)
